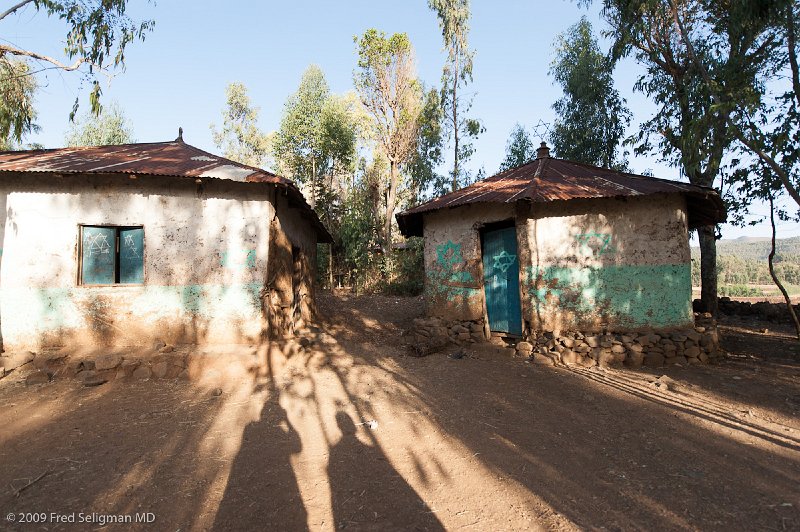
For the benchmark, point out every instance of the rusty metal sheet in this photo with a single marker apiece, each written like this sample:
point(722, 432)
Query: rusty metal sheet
point(174, 159)
point(548, 179)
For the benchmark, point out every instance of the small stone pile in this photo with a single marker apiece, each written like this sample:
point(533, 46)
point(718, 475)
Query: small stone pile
point(774, 312)
point(432, 334)
point(699, 345)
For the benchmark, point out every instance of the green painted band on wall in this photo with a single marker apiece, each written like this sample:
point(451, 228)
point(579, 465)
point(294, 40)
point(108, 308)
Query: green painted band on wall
point(33, 309)
point(636, 296)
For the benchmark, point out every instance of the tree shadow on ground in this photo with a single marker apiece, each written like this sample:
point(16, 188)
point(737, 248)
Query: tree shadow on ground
point(367, 493)
point(600, 450)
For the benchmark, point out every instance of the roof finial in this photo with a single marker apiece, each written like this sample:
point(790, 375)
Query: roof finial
point(180, 135)
point(543, 151)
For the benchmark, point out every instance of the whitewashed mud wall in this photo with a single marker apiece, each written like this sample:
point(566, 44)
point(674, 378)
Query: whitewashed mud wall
point(585, 265)
point(205, 257)
point(616, 264)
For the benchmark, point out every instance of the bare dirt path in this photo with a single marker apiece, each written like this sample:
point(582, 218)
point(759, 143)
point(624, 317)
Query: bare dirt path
point(351, 433)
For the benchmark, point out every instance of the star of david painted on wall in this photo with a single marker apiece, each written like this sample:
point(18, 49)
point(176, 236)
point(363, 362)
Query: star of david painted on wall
point(449, 254)
point(504, 260)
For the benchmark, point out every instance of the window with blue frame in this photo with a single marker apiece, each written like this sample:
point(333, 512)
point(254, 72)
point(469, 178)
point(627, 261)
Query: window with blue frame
point(111, 255)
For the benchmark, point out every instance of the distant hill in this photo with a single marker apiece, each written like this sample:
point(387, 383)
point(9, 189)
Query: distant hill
point(755, 248)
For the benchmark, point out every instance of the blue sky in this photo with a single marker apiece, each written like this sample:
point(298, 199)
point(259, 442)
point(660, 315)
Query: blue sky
point(178, 75)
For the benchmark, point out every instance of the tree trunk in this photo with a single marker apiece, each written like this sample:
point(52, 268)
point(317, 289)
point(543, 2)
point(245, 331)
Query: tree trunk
point(330, 266)
point(390, 204)
point(775, 279)
point(455, 127)
point(708, 268)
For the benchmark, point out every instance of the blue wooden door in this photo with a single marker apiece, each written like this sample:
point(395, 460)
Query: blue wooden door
point(501, 280)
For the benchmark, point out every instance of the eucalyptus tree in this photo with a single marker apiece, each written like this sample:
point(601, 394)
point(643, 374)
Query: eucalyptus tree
point(97, 35)
point(109, 127)
point(519, 149)
point(386, 81)
point(691, 128)
point(591, 115)
point(454, 18)
point(240, 139)
point(17, 112)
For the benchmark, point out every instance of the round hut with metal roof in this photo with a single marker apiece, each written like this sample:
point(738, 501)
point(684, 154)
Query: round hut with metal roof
point(555, 246)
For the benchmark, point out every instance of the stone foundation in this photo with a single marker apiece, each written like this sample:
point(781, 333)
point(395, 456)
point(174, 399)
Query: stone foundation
point(212, 365)
point(697, 345)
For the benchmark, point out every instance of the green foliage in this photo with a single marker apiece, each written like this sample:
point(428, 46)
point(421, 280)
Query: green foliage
point(386, 81)
point(403, 270)
point(740, 290)
point(454, 18)
point(240, 139)
point(98, 32)
point(519, 149)
point(592, 116)
point(109, 127)
point(358, 232)
point(426, 182)
point(744, 261)
point(17, 114)
point(316, 142)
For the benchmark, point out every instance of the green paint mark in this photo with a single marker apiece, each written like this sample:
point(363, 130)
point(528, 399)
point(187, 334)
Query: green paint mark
point(637, 296)
point(450, 279)
point(238, 260)
point(597, 243)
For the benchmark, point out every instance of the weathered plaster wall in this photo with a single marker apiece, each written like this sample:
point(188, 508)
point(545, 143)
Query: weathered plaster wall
point(616, 264)
point(292, 267)
point(205, 258)
point(453, 268)
point(586, 265)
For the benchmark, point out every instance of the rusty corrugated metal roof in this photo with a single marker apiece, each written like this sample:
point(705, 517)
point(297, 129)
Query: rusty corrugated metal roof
point(174, 159)
point(548, 179)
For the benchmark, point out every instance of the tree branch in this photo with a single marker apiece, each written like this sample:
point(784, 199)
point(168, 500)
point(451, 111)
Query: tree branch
point(12, 9)
point(5, 49)
point(737, 132)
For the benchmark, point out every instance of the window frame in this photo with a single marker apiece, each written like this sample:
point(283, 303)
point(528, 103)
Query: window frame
point(117, 268)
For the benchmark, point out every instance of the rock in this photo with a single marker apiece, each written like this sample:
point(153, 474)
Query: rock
point(634, 359)
point(167, 349)
point(625, 339)
point(127, 367)
point(428, 346)
point(14, 360)
point(700, 329)
point(693, 361)
point(48, 360)
point(692, 352)
point(592, 341)
point(567, 342)
point(184, 375)
point(678, 337)
point(158, 345)
point(617, 348)
point(458, 329)
point(524, 347)
point(693, 336)
point(606, 359)
point(703, 357)
point(90, 377)
point(476, 327)
point(679, 361)
point(636, 348)
point(107, 362)
point(569, 357)
point(142, 372)
point(37, 377)
point(653, 360)
point(464, 336)
point(216, 392)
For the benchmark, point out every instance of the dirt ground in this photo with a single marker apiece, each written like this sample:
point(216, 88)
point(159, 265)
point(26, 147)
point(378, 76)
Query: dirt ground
point(353, 434)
